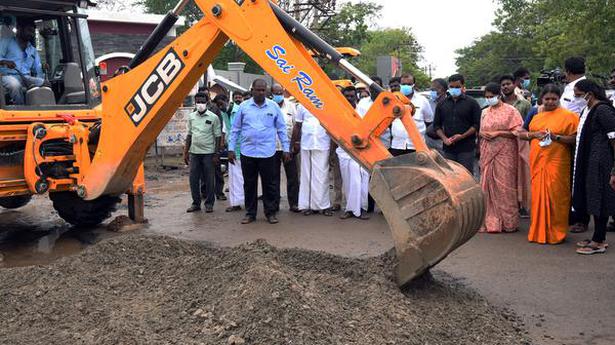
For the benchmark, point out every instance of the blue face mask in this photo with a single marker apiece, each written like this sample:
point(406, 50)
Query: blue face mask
point(454, 91)
point(433, 95)
point(525, 84)
point(278, 98)
point(407, 90)
point(493, 101)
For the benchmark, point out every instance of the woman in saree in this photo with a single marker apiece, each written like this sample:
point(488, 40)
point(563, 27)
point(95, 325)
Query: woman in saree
point(500, 162)
point(552, 134)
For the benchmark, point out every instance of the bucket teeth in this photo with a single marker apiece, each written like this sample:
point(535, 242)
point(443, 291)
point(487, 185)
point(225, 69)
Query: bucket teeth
point(432, 205)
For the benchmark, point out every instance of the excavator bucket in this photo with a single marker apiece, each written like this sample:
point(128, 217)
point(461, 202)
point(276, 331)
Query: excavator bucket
point(432, 205)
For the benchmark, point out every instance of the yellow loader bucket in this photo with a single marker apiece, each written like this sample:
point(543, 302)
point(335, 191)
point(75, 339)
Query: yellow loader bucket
point(431, 204)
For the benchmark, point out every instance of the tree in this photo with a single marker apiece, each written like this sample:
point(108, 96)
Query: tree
point(349, 28)
point(400, 43)
point(541, 34)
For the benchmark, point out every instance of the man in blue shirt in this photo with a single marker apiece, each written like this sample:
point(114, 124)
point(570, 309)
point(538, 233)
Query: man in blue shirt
point(20, 64)
point(257, 122)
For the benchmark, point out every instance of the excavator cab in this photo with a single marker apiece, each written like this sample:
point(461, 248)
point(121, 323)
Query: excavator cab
point(64, 69)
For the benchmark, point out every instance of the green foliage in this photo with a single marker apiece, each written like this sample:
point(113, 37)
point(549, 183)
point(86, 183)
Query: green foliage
point(400, 43)
point(541, 34)
point(350, 27)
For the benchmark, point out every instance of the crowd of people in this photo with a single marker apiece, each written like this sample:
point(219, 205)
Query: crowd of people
point(551, 161)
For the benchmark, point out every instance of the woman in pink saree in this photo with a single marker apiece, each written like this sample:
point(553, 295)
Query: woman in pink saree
point(503, 164)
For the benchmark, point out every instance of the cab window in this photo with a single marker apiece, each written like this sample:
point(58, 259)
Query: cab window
point(54, 70)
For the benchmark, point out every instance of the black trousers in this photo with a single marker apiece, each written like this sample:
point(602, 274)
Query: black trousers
point(464, 158)
point(202, 179)
point(292, 179)
point(219, 180)
point(252, 168)
point(576, 217)
point(600, 224)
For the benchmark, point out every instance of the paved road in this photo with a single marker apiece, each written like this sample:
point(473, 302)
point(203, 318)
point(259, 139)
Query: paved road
point(563, 297)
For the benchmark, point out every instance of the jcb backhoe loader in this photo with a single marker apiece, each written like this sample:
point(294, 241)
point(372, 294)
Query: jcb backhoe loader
point(83, 143)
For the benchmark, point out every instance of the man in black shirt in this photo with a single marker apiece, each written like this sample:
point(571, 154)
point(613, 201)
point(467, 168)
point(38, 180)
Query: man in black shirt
point(457, 121)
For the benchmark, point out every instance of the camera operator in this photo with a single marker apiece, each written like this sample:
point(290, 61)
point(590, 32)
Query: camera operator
point(575, 71)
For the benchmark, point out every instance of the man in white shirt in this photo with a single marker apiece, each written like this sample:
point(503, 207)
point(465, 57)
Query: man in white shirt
point(400, 142)
point(314, 147)
point(575, 71)
point(362, 108)
point(290, 168)
point(355, 179)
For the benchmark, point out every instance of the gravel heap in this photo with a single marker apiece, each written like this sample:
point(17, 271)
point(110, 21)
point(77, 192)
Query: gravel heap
point(155, 290)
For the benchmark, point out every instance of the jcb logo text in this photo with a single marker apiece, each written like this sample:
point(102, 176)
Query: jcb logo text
point(154, 87)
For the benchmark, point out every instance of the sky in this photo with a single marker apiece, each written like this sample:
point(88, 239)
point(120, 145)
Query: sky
point(440, 26)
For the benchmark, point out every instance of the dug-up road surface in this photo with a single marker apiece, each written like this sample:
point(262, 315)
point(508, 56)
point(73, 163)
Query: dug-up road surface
point(559, 296)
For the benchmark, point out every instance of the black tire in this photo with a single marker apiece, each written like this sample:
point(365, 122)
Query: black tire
point(17, 201)
point(83, 213)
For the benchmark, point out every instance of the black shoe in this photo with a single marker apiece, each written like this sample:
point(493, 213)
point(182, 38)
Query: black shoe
point(193, 208)
point(295, 209)
point(336, 207)
point(247, 220)
point(221, 197)
point(233, 208)
point(272, 219)
point(209, 209)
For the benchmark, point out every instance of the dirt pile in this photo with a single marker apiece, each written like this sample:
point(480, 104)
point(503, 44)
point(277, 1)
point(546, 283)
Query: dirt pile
point(154, 290)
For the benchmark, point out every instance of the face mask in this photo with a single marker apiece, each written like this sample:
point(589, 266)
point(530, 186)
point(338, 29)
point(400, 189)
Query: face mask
point(525, 83)
point(546, 141)
point(581, 101)
point(278, 98)
point(433, 95)
point(493, 101)
point(201, 107)
point(407, 90)
point(454, 91)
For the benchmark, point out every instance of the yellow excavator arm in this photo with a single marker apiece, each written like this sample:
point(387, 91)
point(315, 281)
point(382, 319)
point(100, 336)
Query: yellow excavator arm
point(432, 205)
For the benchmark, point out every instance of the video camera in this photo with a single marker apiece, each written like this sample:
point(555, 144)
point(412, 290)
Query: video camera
point(554, 76)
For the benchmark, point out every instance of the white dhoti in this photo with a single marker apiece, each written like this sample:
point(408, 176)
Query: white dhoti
point(235, 184)
point(314, 186)
point(355, 182)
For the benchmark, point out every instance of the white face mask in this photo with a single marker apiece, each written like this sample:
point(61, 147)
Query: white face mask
point(201, 107)
point(493, 101)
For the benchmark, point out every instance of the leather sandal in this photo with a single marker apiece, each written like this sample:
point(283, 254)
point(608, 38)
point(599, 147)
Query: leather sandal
point(586, 243)
point(591, 249)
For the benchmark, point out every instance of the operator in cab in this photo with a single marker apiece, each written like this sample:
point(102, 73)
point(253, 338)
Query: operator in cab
point(20, 64)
